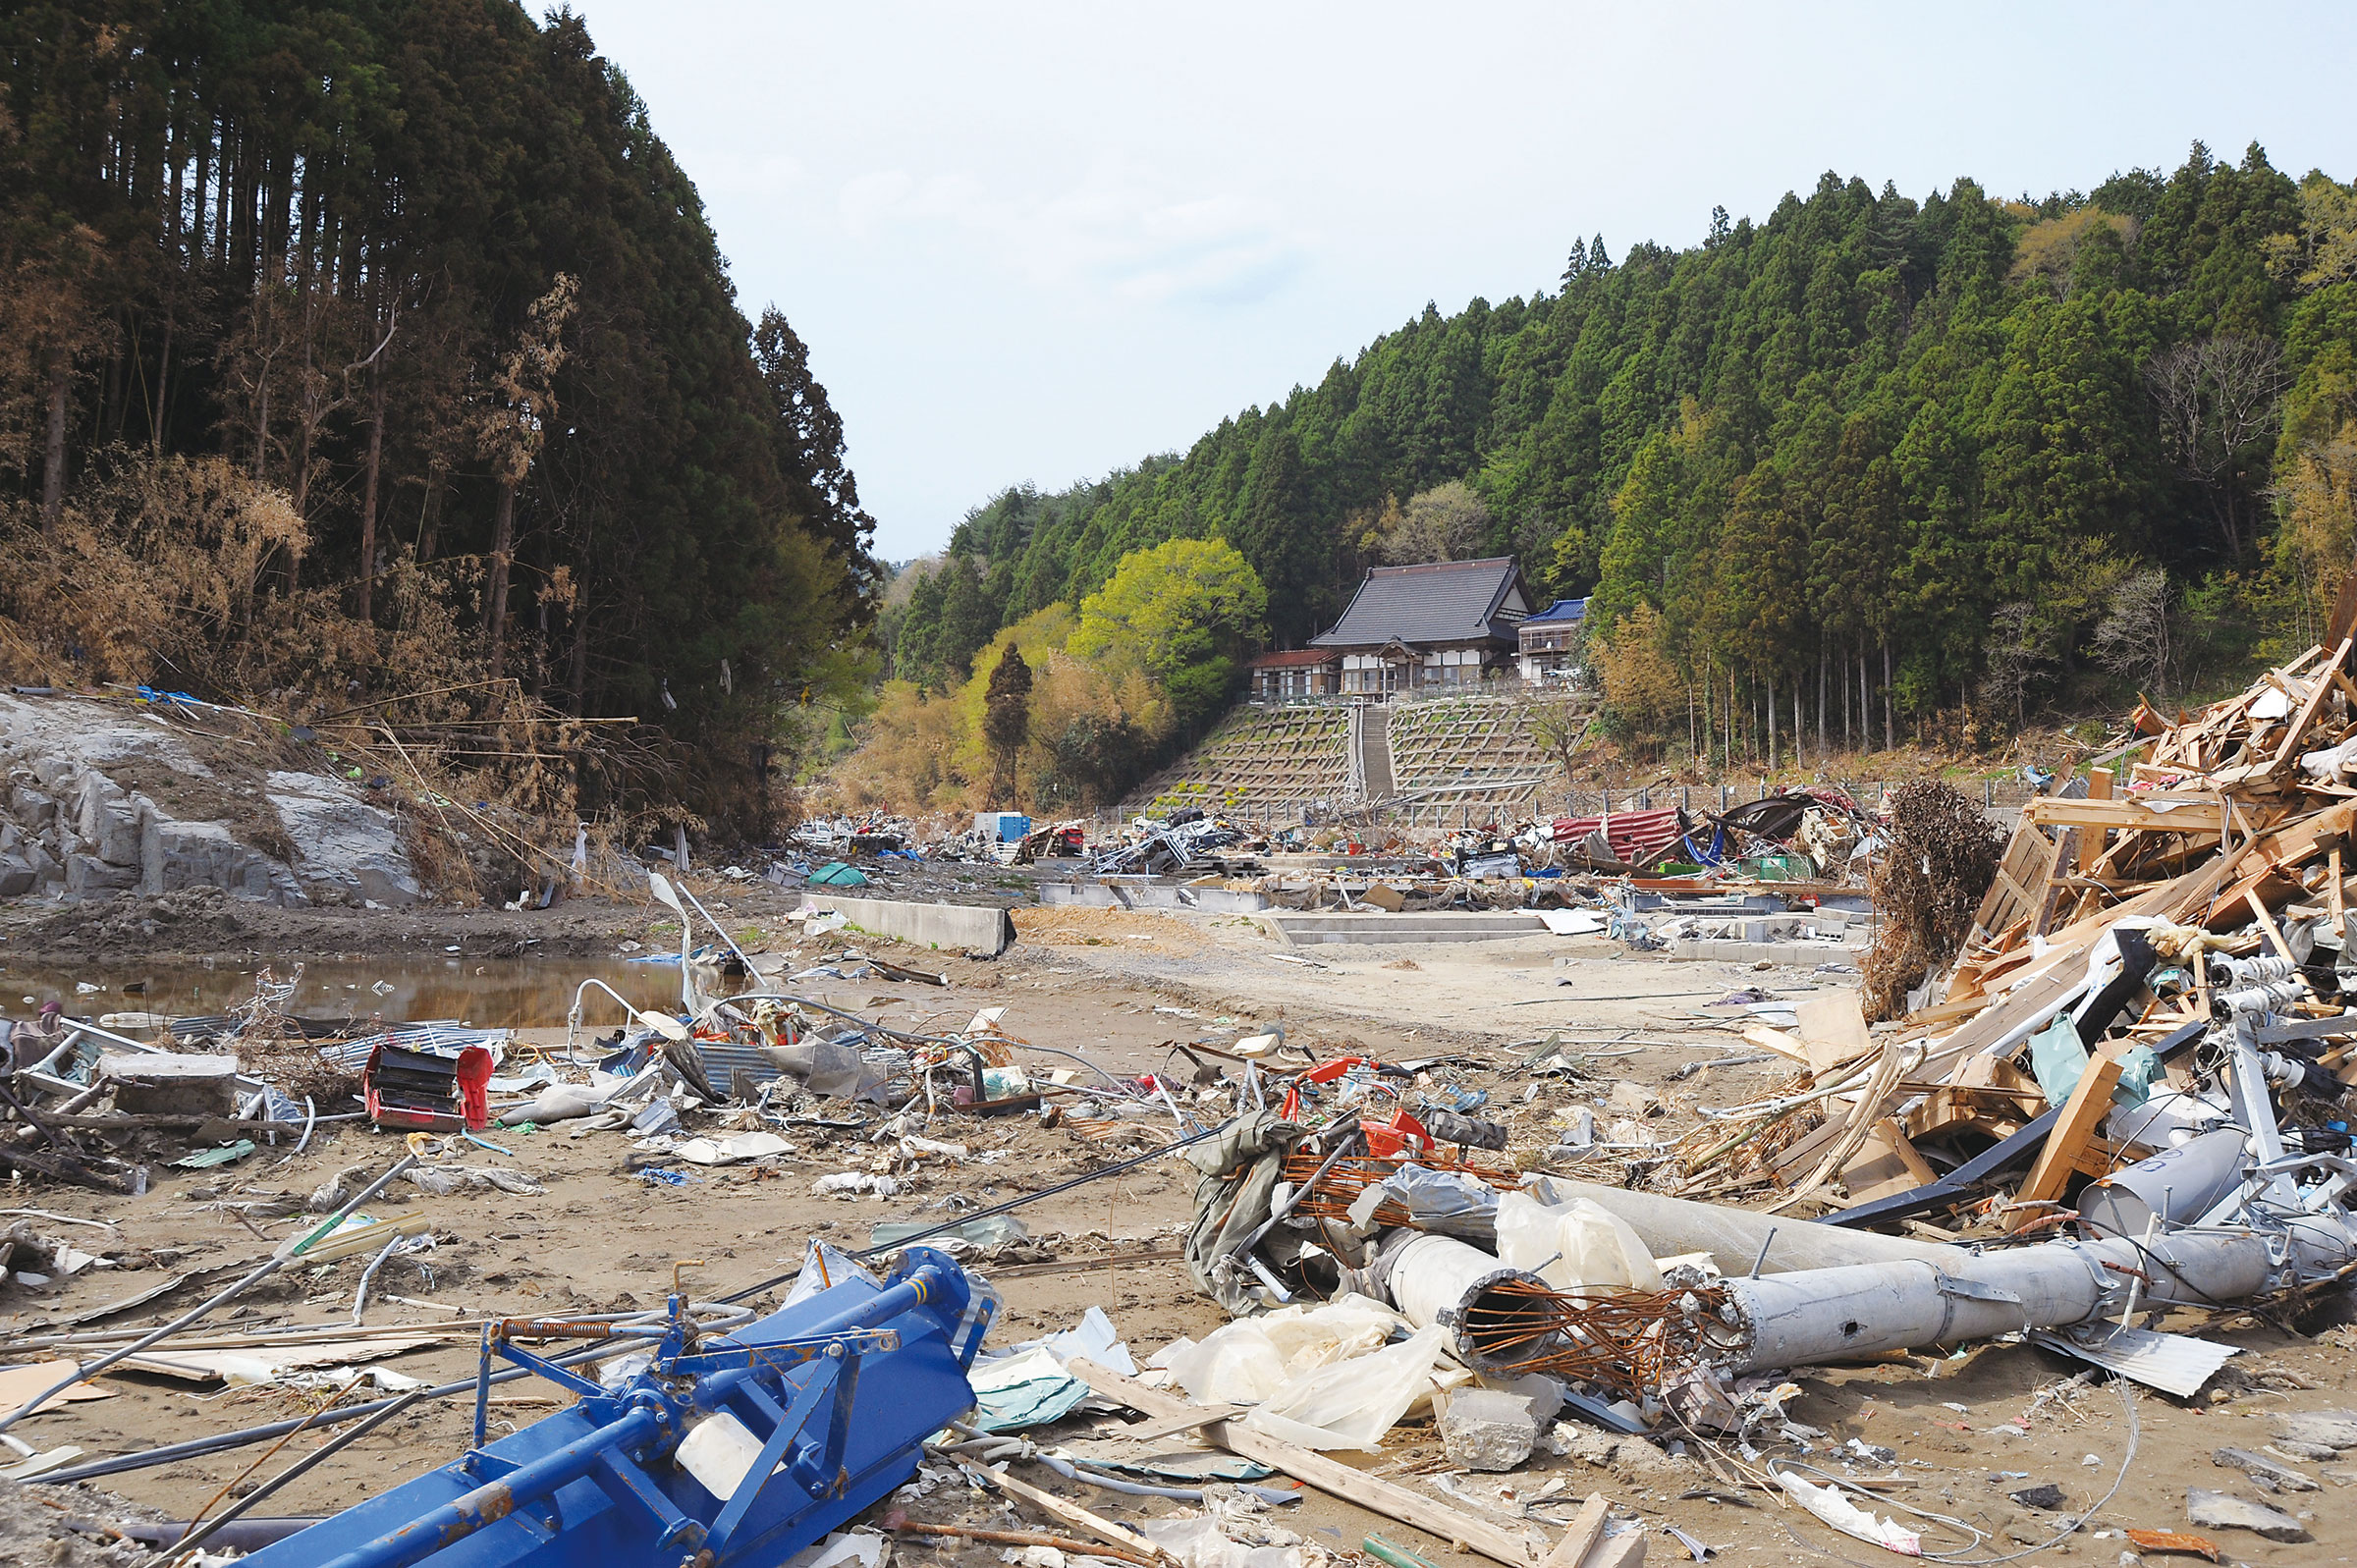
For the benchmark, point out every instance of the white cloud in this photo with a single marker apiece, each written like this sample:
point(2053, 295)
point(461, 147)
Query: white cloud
point(1115, 235)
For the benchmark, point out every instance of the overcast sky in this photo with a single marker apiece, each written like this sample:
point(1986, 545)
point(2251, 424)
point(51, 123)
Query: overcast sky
point(1039, 241)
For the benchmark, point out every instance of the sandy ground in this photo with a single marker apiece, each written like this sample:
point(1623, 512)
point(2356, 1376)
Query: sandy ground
point(1120, 987)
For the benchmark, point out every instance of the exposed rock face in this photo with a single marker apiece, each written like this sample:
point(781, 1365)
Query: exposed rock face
point(71, 829)
point(342, 844)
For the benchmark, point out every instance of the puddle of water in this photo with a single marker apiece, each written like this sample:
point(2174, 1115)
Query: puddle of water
point(490, 993)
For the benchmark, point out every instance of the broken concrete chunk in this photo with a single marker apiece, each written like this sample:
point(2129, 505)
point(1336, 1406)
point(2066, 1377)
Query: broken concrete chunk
point(2223, 1510)
point(88, 876)
point(35, 810)
point(2326, 1428)
point(2260, 1468)
point(172, 1084)
point(205, 854)
point(1630, 1099)
point(108, 821)
point(2297, 1449)
point(1485, 1428)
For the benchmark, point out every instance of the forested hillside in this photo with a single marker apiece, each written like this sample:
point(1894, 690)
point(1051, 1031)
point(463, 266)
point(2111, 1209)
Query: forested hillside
point(2004, 450)
point(357, 346)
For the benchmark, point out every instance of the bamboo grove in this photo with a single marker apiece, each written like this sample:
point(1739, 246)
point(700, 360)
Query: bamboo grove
point(1870, 466)
point(415, 281)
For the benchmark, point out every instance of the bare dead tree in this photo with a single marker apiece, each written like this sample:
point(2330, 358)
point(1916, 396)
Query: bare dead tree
point(2217, 400)
point(512, 430)
point(2133, 640)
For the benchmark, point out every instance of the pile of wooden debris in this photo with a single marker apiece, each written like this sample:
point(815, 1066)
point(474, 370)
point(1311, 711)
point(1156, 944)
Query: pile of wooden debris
point(2130, 915)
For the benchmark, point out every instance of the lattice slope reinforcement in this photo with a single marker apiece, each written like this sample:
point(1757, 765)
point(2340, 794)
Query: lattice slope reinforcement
point(1259, 759)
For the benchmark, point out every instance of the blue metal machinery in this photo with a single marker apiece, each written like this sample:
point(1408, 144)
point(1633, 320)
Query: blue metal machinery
point(836, 1392)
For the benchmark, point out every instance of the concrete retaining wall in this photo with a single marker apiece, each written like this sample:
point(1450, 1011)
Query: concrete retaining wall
point(966, 928)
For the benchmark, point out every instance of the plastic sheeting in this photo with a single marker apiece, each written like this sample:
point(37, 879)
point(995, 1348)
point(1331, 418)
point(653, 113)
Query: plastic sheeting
point(1028, 1386)
point(1573, 1245)
point(1353, 1403)
point(1254, 1358)
point(1442, 1202)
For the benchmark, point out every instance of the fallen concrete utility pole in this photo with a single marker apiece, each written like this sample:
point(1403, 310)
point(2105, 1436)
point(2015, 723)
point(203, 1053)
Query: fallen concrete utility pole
point(1796, 1318)
point(1741, 1239)
point(1315, 1469)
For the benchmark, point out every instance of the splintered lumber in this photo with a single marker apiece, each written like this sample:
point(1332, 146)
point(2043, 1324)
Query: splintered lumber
point(2147, 813)
point(2067, 1143)
point(1885, 1163)
point(1329, 1475)
point(1581, 1535)
point(1080, 1518)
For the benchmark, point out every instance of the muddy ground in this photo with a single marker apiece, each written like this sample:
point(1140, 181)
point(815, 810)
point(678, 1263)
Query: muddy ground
point(1119, 987)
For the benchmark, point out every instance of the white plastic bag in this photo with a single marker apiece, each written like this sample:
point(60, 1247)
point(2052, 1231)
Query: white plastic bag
point(1352, 1403)
point(1827, 1505)
point(1247, 1361)
point(1574, 1245)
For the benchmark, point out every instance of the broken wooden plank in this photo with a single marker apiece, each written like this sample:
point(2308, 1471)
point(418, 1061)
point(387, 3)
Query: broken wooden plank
point(2177, 814)
point(1080, 1518)
point(2091, 843)
point(1621, 1551)
point(2308, 710)
point(1200, 1416)
point(1313, 1469)
point(1885, 1164)
point(1581, 1535)
point(2089, 1100)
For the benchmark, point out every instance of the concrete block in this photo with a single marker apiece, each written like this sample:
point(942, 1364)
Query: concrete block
point(172, 1084)
point(206, 854)
point(963, 928)
point(32, 807)
point(108, 821)
point(1802, 955)
point(1437, 924)
point(1486, 1429)
point(2223, 1510)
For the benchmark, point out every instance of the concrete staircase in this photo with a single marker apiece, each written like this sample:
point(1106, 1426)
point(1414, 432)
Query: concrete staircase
point(1375, 753)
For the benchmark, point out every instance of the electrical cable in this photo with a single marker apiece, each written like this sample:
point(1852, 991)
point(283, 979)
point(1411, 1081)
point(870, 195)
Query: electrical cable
point(1008, 1206)
point(1958, 1558)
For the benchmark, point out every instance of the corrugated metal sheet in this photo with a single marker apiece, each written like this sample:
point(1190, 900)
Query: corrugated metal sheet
point(737, 1071)
point(435, 1039)
point(2175, 1364)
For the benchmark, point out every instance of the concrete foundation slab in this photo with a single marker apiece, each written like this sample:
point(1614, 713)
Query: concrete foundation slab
point(1373, 930)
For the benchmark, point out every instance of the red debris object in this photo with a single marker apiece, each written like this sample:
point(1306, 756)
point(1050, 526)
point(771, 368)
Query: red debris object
point(1637, 838)
point(416, 1088)
point(2174, 1541)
